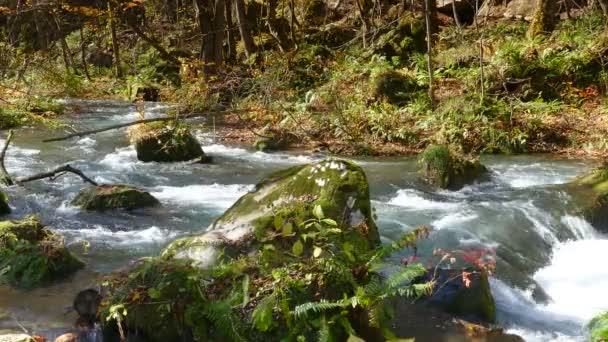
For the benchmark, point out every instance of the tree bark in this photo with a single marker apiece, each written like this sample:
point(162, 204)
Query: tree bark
point(83, 55)
point(429, 42)
point(231, 50)
point(543, 21)
point(219, 31)
point(244, 28)
point(115, 47)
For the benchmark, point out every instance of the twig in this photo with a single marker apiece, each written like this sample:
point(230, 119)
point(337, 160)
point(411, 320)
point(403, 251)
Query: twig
point(108, 128)
point(5, 177)
point(53, 173)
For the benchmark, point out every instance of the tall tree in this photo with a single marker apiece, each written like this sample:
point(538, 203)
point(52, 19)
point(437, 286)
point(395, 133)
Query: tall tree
point(543, 21)
point(244, 28)
point(115, 46)
point(211, 22)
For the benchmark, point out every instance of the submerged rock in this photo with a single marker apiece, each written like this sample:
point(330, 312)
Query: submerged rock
point(449, 170)
point(32, 255)
point(340, 187)
point(590, 197)
point(598, 328)
point(161, 143)
point(4, 207)
point(104, 197)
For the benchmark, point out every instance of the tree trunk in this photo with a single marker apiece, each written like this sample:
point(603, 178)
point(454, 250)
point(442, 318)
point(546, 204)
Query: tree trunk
point(274, 27)
point(83, 55)
point(365, 25)
point(543, 21)
point(219, 31)
point(244, 28)
point(115, 47)
point(429, 42)
point(231, 51)
point(455, 13)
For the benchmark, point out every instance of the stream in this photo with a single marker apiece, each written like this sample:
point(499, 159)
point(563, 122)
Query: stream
point(548, 281)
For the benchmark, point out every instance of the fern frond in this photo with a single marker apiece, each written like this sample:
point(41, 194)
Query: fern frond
point(403, 276)
point(220, 314)
point(262, 314)
point(317, 307)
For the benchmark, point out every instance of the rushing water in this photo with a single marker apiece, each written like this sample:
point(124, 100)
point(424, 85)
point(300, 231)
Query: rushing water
point(547, 285)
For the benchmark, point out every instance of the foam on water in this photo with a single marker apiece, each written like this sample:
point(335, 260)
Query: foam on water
point(122, 159)
point(576, 279)
point(213, 195)
point(454, 219)
point(241, 153)
point(414, 200)
point(579, 226)
point(519, 175)
point(120, 238)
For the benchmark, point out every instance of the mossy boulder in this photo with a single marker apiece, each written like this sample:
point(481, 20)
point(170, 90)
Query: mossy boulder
point(402, 39)
point(598, 328)
point(273, 139)
point(4, 207)
point(448, 169)
point(161, 143)
point(590, 197)
point(104, 197)
point(339, 187)
point(395, 87)
point(32, 255)
point(473, 302)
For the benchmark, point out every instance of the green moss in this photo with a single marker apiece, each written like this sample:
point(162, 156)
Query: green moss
point(105, 197)
point(598, 328)
point(339, 187)
point(161, 143)
point(4, 207)
point(395, 87)
point(447, 169)
point(590, 197)
point(31, 255)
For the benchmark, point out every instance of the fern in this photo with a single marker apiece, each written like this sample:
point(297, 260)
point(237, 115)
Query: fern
point(323, 305)
point(220, 314)
point(262, 315)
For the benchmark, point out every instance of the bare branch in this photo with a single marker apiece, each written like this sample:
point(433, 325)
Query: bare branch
point(108, 128)
point(5, 178)
point(53, 173)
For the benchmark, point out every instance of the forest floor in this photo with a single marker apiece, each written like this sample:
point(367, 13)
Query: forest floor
point(496, 91)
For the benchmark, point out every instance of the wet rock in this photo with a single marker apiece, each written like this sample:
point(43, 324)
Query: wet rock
point(16, 338)
point(86, 304)
point(104, 197)
point(340, 187)
point(473, 302)
point(4, 207)
point(100, 59)
point(148, 93)
point(161, 143)
point(598, 328)
point(31, 255)
point(273, 139)
point(590, 197)
point(448, 169)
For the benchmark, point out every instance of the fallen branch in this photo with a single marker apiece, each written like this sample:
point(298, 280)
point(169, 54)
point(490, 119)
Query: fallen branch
point(5, 178)
point(108, 128)
point(56, 172)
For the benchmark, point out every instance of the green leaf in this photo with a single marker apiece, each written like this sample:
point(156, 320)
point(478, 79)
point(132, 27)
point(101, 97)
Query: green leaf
point(262, 314)
point(153, 293)
point(353, 338)
point(318, 212)
point(245, 290)
point(297, 248)
point(278, 222)
point(329, 222)
point(287, 229)
point(317, 252)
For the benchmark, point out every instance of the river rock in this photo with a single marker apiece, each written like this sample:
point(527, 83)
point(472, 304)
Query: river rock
point(598, 328)
point(104, 197)
point(32, 255)
point(448, 169)
point(16, 338)
point(339, 187)
point(161, 143)
point(4, 207)
point(474, 302)
point(590, 197)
